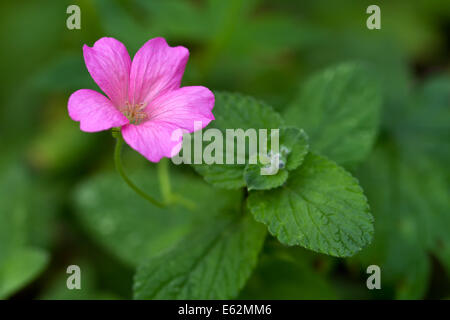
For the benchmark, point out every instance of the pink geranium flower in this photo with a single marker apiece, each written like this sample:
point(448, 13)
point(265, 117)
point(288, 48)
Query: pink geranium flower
point(144, 96)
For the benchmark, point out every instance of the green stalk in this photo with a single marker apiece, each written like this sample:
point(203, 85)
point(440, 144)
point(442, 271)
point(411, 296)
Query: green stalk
point(164, 183)
point(118, 163)
point(164, 179)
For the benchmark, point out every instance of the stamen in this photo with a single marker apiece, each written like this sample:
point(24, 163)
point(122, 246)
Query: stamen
point(134, 113)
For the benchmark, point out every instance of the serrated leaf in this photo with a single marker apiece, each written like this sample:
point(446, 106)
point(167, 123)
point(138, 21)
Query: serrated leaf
point(339, 109)
point(321, 208)
point(235, 111)
point(256, 181)
point(213, 263)
point(130, 227)
point(293, 146)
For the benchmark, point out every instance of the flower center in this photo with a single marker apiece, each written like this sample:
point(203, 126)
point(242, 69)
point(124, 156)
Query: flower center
point(134, 112)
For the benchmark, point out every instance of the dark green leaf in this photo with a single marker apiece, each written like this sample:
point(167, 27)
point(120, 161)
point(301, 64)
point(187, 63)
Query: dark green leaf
point(339, 109)
point(273, 171)
point(213, 263)
point(321, 207)
point(132, 228)
point(234, 111)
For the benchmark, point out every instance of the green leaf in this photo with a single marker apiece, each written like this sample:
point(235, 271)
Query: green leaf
point(409, 199)
point(293, 147)
point(24, 223)
point(424, 126)
point(20, 267)
point(283, 278)
point(222, 176)
point(321, 208)
point(256, 181)
point(213, 263)
point(28, 208)
point(60, 147)
point(130, 227)
point(425, 132)
point(339, 109)
point(235, 111)
point(407, 266)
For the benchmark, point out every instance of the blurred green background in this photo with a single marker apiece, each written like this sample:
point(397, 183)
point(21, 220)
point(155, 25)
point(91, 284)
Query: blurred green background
point(48, 219)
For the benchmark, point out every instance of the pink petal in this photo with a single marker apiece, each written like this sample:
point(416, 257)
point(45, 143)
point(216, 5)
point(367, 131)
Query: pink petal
point(94, 111)
point(153, 139)
point(184, 107)
point(156, 69)
point(109, 64)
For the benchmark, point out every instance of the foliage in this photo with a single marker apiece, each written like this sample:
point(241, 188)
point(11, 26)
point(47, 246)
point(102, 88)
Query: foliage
point(364, 144)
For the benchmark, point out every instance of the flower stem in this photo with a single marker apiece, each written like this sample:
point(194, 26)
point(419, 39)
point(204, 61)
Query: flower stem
point(164, 179)
point(118, 163)
point(164, 183)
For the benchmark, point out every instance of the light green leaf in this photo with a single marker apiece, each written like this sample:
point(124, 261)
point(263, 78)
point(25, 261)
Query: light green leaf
point(293, 144)
point(339, 109)
point(20, 267)
point(130, 227)
point(235, 111)
point(213, 263)
point(321, 207)
point(293, 147)
point(256, 181)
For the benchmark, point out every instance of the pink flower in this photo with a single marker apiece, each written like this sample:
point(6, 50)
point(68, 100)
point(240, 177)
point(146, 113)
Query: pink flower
point(144, 96)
